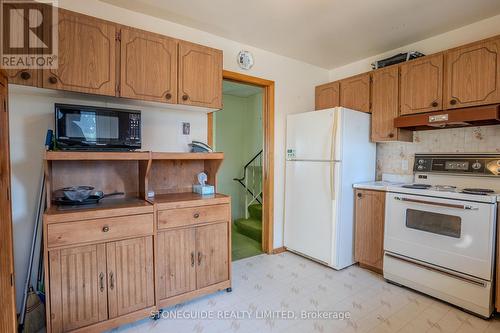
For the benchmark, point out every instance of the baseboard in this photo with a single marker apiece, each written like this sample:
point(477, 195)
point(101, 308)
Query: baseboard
point(279, 250)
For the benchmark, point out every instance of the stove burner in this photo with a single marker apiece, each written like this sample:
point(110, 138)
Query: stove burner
point(478, 191)
point(418, 186)
point(445, 188)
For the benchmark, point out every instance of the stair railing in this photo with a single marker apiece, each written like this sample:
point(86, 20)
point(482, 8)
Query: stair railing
point(252, 181)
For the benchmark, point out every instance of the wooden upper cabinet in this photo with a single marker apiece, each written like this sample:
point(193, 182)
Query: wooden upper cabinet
point(422, 85)
point(86, 55)
point(176, 262)
point(369, 228)
point(200, 75)
point(385, 106)
point(212, 254)
point(327, 96)
point(473, 74)
point(148, 66)
point(355, 92)
point(130, 275)
point(78, 290)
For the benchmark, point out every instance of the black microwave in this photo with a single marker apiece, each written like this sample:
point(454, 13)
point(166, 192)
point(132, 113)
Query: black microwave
point(96, 128)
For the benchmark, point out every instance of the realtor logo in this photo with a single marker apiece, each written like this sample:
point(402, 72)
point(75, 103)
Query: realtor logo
point(29, 34)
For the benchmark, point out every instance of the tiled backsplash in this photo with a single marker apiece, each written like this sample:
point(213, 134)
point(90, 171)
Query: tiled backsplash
point(397, 157)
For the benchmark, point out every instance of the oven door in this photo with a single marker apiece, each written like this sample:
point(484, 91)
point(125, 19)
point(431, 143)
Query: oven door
point(458, 235)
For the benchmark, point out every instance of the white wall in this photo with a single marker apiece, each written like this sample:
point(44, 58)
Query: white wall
point(31, 115)
point(470, 33)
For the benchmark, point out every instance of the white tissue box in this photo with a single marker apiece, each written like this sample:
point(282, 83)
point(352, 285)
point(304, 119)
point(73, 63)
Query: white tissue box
point(204, 189)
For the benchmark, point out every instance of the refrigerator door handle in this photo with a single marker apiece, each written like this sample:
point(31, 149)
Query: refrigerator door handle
point(333, 153)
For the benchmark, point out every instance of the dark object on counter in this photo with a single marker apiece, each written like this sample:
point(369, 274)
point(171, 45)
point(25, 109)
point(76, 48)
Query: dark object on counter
point(75, 193)
point(396, 59)
point(92, 199)
point(49, 140)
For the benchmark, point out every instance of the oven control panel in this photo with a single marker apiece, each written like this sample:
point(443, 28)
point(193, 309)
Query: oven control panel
point(485, 165)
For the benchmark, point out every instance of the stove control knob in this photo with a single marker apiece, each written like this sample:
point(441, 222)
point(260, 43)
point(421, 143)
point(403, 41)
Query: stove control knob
point(476, 166)
point(420, 167)
point(421, 162)
point(498, 163)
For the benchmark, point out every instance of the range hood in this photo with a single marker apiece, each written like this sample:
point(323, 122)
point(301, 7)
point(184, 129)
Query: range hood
point(473, 116)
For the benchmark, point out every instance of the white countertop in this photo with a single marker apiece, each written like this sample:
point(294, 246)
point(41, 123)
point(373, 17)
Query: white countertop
point(381, 185)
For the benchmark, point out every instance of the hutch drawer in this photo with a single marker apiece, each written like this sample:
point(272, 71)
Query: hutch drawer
point(98, 230)
point(193, 215)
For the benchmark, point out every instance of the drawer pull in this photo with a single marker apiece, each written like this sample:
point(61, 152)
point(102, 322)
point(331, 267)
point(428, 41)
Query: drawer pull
point(101, 281)
point(199, 258)
point(192, 259)
point(105, 228)
point(111, 281)
point(185, 97)
point(52, 80)
point(196, 215)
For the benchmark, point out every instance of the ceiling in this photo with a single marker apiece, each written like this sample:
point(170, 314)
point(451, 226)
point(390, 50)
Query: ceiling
point(239, 90)
point(326, 33)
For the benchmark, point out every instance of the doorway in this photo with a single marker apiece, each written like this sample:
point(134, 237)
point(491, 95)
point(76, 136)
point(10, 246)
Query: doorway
point(244, 131)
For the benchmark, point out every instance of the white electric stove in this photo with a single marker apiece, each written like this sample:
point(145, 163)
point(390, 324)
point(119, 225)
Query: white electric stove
point(440, 230)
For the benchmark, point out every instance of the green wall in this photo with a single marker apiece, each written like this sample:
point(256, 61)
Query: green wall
point(237, 133)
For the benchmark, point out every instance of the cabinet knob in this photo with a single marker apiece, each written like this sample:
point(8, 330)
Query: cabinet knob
point(105, 228)
point(168, 96)
point(391, 135)
point(25, 75)
point(185, 97)
point(453, 102)
point(434, 104)
point(360, 195)
point(53, 80)
point(196, 215)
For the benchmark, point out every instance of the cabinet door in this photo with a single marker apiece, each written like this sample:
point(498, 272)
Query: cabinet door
point(385, 106)
point(327, 96)
point(8, 310)
point(78, 290)
point(212, 254)
point(176, 262)
point(369, 236)
point(355, 92)
point(422, 85)
point(130, 275)
point(200, 75)
point(86, 56)
point(148, 66)
point(473, 75)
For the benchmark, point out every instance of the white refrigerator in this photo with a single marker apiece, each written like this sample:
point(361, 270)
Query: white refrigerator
point(327, 152)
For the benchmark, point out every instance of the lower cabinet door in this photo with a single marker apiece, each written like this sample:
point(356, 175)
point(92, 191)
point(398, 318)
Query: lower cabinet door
point(78, 292)
point(212, 254)
point(130, 275)
point(176, 262)
point(369, 234)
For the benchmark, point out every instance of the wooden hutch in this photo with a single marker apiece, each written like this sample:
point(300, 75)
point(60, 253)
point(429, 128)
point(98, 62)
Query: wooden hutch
point(128, 256)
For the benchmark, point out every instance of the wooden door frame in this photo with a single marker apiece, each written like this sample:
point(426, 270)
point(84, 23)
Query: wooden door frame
point(268, 154)
point(8, 314)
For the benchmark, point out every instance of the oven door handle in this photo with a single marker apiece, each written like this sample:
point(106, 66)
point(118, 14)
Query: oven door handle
point(447, 205)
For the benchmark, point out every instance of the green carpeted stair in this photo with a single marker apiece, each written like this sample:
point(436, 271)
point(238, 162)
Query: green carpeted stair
point(251, 227)
point(247, 234)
